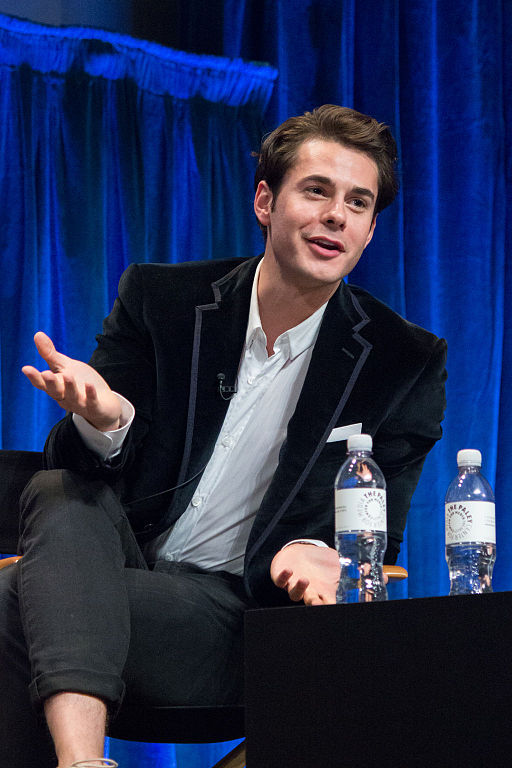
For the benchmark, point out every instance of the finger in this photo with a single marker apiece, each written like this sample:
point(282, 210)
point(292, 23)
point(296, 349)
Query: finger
point(322, 598)
point(71, 392)
point(298, 590)
point(54, 385)
point(282, 578)
point(321, 593)
point(34, 376)
point(313, 599)
point(46, 349)
point(315, 596)
point(91, 394)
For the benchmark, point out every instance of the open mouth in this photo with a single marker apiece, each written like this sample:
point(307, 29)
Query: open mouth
point(324, 245)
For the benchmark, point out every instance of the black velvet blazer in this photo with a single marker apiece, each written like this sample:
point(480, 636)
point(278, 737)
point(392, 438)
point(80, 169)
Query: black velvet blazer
point(173, 328)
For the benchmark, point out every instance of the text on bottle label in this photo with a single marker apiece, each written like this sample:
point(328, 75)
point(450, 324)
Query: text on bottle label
point(360, 509)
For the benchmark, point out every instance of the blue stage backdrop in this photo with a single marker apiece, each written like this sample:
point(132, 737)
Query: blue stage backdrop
point(440, 74)
point(114, 150)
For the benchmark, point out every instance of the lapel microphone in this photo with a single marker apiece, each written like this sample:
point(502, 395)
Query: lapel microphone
point(225, 391)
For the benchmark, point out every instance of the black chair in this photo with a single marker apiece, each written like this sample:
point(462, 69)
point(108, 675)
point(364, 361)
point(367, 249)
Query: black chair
point(186, 725)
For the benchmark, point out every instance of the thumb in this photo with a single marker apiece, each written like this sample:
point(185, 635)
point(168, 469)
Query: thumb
point(46, 349)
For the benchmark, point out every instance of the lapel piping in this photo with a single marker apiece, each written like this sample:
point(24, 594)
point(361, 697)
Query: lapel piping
point(193, 388)
point(229, 284)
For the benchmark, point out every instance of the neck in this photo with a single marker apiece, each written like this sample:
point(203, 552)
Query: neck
point(283, 303)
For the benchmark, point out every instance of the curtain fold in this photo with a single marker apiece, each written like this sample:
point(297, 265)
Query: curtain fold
point(153, 68)
point(114, 151)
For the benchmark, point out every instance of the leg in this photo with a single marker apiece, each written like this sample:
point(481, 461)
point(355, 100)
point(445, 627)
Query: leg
point(73, 604)
point(24, 738)
point(75, 543)
point(186, 645)
point(186, 625)
point(77, 724)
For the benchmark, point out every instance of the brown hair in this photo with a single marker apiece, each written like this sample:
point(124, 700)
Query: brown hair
point(346, 126)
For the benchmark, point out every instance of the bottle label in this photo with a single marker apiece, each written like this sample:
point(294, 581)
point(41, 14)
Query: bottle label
point(469, 521)
point(360, 509)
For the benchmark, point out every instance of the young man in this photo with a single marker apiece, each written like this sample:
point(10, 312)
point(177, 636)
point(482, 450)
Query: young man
point(193, 474)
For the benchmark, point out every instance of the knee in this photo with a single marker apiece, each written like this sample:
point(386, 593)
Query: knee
point(56, 491)
point(44, 489)
point(49, 486)
point(46, 481)
point(41, 495)
point(61, 502)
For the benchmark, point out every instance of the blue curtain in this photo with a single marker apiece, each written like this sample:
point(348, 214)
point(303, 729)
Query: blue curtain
point(440, 74)
point(116, 151)
point(113, 151)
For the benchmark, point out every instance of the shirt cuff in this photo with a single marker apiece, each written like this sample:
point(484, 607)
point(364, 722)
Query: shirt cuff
point(316, 542)
point(106, 445)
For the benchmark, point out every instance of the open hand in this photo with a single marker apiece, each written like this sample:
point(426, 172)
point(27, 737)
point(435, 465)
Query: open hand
point(75, 386)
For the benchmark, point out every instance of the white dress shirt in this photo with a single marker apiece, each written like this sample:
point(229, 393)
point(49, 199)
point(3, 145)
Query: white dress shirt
point(213, 531)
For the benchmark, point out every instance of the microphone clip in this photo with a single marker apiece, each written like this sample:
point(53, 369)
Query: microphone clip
point(225, 391)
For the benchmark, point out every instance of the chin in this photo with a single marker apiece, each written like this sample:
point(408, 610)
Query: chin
point(330, 273)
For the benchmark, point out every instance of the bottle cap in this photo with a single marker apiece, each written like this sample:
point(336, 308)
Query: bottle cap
point(359, 443)
point(469, 457)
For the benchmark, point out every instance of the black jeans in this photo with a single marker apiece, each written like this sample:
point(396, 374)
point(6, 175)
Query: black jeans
point(83, 612)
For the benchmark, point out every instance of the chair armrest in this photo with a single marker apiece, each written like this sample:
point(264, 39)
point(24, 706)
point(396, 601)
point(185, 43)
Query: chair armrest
point(395, 572)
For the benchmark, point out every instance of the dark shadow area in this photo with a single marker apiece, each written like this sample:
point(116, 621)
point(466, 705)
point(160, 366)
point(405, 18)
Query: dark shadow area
point(194, 26)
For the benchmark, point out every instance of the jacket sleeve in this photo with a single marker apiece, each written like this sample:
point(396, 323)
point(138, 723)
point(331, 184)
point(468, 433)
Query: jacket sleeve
point(404, 439)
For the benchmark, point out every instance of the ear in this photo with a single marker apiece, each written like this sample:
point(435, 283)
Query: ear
point(263, 203)
point(372, 230)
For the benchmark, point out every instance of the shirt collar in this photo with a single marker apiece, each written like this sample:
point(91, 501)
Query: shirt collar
point(296, 340)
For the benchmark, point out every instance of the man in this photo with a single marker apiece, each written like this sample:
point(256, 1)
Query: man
point(214, 414)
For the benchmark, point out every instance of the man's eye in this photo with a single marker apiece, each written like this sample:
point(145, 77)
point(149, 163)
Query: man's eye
point(315, 190)
point(359, 203)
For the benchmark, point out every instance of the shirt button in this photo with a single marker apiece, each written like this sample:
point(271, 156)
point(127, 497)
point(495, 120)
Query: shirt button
point(250, 380)
point(196, 501)
point(227, 441)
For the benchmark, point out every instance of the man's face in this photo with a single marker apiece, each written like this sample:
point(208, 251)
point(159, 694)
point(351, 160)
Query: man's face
point(323, 216)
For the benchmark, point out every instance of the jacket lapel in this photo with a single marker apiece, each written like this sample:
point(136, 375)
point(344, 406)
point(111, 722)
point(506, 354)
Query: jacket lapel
point(338, 357)
point(220, 328)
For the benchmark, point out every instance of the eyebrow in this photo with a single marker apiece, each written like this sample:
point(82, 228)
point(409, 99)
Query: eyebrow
point(362, 191)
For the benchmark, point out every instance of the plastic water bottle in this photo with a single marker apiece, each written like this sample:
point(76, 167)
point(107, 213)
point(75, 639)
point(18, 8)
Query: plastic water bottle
point(360, 525)
point(470, 527)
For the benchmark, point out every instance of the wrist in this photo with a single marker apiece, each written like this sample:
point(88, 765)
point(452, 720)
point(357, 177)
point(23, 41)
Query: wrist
point(110, 427)
point(105, 426)
point(311, 542)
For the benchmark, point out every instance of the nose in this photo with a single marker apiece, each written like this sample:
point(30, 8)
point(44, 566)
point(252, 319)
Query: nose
point(334, 215)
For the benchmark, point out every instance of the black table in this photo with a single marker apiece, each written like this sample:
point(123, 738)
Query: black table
point(422, 682)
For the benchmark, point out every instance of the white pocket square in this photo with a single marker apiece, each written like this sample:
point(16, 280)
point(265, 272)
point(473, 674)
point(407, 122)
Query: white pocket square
point(341, 433)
